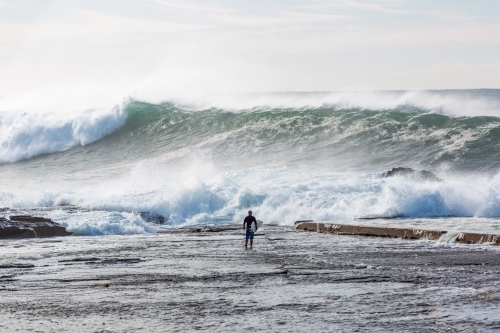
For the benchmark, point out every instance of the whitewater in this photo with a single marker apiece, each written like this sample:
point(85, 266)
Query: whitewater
point(287, 156)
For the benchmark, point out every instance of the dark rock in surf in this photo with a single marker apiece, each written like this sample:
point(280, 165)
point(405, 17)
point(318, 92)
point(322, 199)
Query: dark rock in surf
point(25, 226)
point(152, 217)
point(28, 218)
point(417, 174)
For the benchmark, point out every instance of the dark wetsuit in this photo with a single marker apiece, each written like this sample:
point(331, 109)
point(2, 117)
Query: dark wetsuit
point(248, 223)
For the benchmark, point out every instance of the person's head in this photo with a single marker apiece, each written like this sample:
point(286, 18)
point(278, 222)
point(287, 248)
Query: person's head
point(249, 213)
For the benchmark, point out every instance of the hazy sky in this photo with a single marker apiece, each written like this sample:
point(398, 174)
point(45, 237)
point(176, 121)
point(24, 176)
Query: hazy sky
point(163, 48)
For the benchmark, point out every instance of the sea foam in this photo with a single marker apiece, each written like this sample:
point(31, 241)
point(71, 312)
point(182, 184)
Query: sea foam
point(275, 195)
point(27, 134)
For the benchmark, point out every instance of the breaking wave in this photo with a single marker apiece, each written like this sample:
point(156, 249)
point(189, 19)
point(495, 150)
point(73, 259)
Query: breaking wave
point(287, 156)
point(25, 135)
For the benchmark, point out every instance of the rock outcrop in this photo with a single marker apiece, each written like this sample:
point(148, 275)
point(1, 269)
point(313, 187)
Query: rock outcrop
point(25, 226)
point(417, 174)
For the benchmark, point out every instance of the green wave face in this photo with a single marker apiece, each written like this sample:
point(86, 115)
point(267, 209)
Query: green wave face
point(324, 138)
point(320, 138)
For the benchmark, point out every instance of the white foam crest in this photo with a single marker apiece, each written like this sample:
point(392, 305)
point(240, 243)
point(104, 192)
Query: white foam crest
point(453, 103)
point(27, 134)
point(98, 223)
point(283, 196)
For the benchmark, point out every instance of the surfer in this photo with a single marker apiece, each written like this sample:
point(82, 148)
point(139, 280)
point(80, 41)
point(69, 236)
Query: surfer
point(247, 224)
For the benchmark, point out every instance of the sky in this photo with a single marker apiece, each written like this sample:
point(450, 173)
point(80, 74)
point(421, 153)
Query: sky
point(99, 51)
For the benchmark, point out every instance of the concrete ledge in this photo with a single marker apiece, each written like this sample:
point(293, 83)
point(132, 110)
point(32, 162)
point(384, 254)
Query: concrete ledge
point(343, 229)
point(472, 238)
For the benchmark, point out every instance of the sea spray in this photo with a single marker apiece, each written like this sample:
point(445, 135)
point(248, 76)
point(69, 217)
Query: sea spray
point(96, 223)
point(276, 195)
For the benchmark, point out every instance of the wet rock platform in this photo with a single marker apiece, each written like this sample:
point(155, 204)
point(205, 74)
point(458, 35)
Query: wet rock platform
point(202, 279)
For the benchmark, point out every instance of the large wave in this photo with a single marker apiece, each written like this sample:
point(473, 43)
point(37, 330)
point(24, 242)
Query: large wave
point(343, 131)
point(307, 156)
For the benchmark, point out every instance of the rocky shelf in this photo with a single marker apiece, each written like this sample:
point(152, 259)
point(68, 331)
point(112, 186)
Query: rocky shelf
point(343, 229)
point(25, 226)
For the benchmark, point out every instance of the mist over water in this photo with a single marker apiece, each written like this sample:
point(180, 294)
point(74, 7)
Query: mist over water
point(287, 156)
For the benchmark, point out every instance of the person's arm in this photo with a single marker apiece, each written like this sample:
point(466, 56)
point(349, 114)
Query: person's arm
point(256, 225)
point(243, 224)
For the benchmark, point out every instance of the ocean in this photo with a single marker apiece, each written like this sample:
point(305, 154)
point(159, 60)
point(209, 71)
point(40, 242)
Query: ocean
point(322, 156)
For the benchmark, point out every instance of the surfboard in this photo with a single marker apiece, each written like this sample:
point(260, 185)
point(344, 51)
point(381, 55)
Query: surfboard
point(259, 224)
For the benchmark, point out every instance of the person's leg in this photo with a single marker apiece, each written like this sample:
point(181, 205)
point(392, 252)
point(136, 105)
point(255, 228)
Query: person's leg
point(251, 243)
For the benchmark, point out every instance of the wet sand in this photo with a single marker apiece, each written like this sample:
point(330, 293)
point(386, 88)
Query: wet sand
point(293, 281)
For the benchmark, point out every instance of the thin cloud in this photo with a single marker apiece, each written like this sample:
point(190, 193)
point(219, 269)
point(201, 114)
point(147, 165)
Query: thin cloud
point(451, 16)
point(377, 6)
point(452, 67)
point(246, 18)
point(371, 6)
point(280, 19)
point(17, 4)
point(88, 24)
point(190, 6)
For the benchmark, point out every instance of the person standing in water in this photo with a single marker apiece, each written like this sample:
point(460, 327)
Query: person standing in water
point(247, 224)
